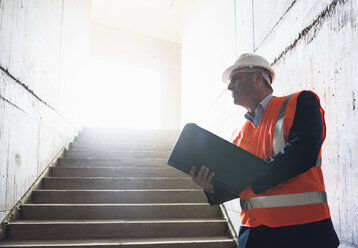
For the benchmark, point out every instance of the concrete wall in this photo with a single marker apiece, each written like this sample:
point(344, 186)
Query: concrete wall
point(318, 51)
point(141, 51)
point(312, 45)
point(208, 45)
point(42, 46)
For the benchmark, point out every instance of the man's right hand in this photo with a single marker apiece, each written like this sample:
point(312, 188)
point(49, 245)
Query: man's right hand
point(202, 178)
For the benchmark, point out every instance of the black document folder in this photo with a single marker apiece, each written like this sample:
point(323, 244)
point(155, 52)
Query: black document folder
point(234, 168)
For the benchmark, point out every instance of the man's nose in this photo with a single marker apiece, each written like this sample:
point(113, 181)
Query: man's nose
point(230, 86)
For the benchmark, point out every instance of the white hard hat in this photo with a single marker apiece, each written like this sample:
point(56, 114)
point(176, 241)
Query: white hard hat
point(251, 61)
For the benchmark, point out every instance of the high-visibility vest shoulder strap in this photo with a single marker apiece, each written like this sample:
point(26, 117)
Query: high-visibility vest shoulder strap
point(278, 139)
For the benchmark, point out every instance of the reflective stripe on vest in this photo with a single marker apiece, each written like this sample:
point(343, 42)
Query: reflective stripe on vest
point(288, 200)
point(278, 138)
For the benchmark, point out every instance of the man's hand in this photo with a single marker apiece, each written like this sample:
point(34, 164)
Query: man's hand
point(202, 179)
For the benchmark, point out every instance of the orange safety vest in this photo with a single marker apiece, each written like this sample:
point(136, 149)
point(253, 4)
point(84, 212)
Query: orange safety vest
point(299, 200)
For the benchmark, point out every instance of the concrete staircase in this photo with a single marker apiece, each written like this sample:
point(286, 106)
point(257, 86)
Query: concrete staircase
point(112, 188)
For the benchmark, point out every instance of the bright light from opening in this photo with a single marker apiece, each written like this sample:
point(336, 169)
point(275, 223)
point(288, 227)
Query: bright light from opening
point(121, 96)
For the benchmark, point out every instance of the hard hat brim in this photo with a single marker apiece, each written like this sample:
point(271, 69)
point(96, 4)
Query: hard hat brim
point(227, 73)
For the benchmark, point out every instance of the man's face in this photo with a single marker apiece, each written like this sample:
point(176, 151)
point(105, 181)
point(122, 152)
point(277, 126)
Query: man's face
point(241, 86)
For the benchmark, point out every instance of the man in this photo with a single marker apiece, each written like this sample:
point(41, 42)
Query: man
point(288, 206)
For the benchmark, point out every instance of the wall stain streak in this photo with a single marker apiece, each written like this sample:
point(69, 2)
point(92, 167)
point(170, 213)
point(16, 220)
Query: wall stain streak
point(274, 26)
point(354, 100)
point(5, 72)
point(2, 98)
point(25, 87)
point(315, 25)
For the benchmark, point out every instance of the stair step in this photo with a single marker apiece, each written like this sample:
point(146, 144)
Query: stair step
point(90, 171)
point(119, 196)
point(118, 183)
point(108, 229)
point(115, 140)
point(113, 188)
point(130, 132)
point(118, 211)
point(84, 146)
point(117, 154)
point(181, 242)
point(122, 162)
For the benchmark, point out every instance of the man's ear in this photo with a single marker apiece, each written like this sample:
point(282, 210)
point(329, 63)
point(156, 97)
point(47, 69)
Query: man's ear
point(258, 78)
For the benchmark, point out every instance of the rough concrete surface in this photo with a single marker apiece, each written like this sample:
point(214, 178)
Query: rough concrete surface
point(35, 43)
point(31, 40)
point(266, 15)
point(244, 27)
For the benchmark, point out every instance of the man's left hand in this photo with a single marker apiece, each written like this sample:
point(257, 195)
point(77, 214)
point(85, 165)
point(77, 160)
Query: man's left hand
point(203, 179)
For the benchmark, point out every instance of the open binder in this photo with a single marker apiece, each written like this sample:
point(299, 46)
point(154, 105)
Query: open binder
point(234, 168)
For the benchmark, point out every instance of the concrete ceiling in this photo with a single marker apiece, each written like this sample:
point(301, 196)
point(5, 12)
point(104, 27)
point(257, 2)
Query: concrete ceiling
point(158, 18)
